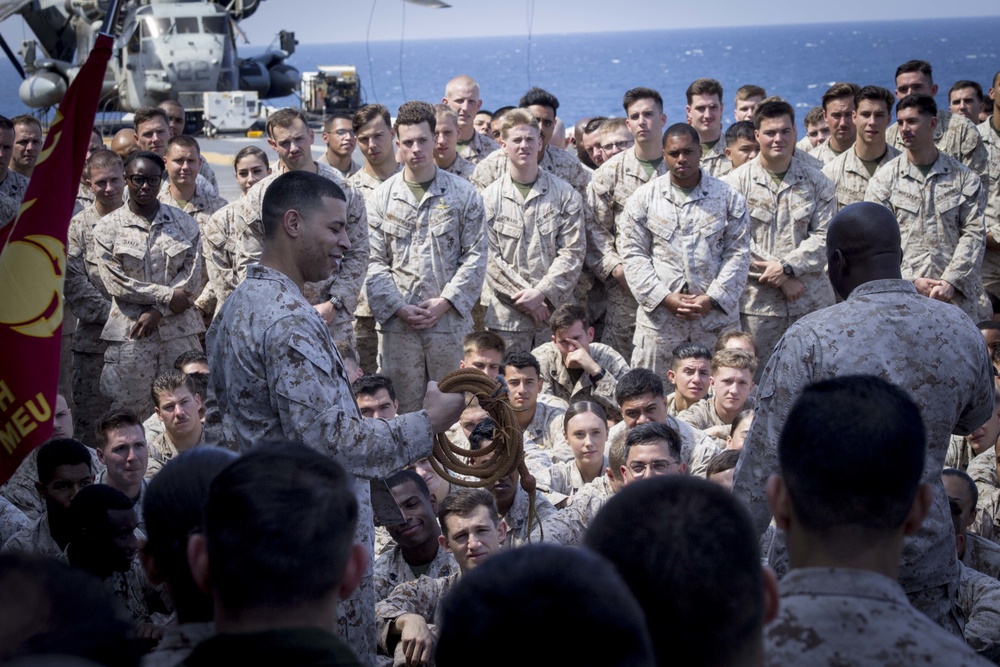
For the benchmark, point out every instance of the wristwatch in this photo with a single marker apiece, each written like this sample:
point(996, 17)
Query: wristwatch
point(787, 269)
point(594, 379)
point(337, 302)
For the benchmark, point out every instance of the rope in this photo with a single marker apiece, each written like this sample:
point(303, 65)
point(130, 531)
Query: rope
point(506, 448)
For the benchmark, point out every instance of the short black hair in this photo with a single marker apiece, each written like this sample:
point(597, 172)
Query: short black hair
point(741, 130)
point(482, 431)
point(681, 130)
point(539, 97)
point(637, 382)
point(60, 452)
point(190, 357)
point(299, 190)
point(852, 454)
point(924, 104)
point(911, 66)
point(651, 432)
point(405, 475)
point(633, 95)
point(521, 360)
point(371, 383)
point(689, 351)
point(148, 156)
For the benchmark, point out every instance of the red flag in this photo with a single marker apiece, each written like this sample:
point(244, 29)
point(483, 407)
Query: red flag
point(32, 270)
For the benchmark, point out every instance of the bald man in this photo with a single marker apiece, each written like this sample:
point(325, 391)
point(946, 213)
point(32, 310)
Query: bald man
point(124, 143)
point(884, 327)
point(462, 95)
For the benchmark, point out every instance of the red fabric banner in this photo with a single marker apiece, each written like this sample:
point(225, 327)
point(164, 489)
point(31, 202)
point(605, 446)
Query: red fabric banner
point(32, 270)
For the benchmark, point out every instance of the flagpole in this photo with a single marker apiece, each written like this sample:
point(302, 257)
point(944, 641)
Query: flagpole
point(111, 18)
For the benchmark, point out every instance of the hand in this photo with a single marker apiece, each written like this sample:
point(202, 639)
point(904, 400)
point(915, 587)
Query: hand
point(679, 304)
point(718, 432)
point(415, 638)
point(792, 289)
point(146, 324)
point(326, 311)
point(437, 307)
point(443, 409)
point(772, 273)
point(618, 273)
point(943, 291)
point(180, 300)
point(528, 300)
point(697, 303)
point(925, 285)
point(579, 357)
point(149, 634)
point(416, 318)
point(206, 315)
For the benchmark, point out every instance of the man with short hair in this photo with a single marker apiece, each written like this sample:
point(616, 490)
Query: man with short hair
point(177, 119)
point(85, 293)
point(962, 450)
point(445, 141)
point(534, 225)
point(686, 252)
point(817, 131)
point(966, 99)
point(691, 376)
point(152, 130)
point(953, 134)
point(178, 407)
point(741, 143)
point(428, 260)
point(614, 138)
point(27, 144)
point(482, 122)
point(572, 366)
point(845, 540)
point(122, 448)
point(462, 95)
point(277, 374)
point(540, 416)
point(12, 184)
point(732, 382)
point(543, 105)
point(375, 396)
point(124, 142)
point(790, 205)
point(652, 450)
point(588, 141)
point(277, 552)
point(472, 532)
point(748, 96)
point(881, 327)
point(704, 114)
point(340, 140)
point(940, 206)
point(484, 351)
point(416, 551)
point(613, 183)
point(64, 467)
point(838, 111)
point(853, 169)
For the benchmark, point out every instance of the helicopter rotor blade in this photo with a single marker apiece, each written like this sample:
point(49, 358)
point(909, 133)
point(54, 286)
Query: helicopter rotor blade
point(13, 59)
point(430, 4)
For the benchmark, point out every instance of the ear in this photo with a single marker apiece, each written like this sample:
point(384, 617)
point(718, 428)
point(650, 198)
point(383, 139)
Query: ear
point(711, 381)
point(272, 144)
point(771, 595)
point(443, 543)
point(960, 544)
point(918, 510)
point(158, 415)
point(670, 377)
point(325, 136)
point(357, 564)
point(590, 335)
point(199, 402)
point(149, 565)
point(729, 154)
point(779, 502)
point(197, 556)
point(100, 454)
point(683, 468)
point(291, 222)
point(623, 471)
point(501, 532)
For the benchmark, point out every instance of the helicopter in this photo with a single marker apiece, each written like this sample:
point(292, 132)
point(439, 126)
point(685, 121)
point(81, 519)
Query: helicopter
point(164, 50)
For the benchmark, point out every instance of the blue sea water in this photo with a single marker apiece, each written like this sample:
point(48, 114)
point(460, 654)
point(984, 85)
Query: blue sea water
point(590, 72)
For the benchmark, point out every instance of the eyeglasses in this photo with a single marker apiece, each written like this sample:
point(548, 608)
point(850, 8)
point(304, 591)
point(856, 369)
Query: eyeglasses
point(138, 180)
point(620, 145)
point(658, 467)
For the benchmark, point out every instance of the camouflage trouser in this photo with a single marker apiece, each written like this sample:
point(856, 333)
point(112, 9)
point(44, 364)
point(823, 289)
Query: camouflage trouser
point(653, 349)
point(619, 320)
point(412, 358)
point(130, 368)
point(766, 331)
point(367, 343)
point(90, 403)
point(524, 341)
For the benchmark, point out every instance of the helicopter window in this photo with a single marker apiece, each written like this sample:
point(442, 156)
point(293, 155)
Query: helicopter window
point(214, 25)
point(156, 27)
point(187, 25)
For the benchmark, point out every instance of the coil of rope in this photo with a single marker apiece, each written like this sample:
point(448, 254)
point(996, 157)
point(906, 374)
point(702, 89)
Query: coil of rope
point(504, 453)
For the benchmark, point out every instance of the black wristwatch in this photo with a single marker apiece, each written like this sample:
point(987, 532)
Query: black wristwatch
point(594, 379)
point(787, 269)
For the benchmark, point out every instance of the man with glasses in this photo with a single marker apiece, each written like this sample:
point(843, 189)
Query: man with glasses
point(614, 138)
point(338, 135)
point(652, 450)
point(149, 257)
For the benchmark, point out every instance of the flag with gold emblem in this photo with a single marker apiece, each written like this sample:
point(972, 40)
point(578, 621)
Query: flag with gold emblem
point(32, 269)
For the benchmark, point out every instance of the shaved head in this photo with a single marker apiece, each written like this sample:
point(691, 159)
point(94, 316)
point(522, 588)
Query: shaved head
point(462, 82)
point(863, 244)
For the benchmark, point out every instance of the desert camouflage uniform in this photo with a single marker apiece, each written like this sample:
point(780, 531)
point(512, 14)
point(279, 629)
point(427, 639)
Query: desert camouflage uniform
point(572, 385)
point(202, 206)
point(883, 327)
point(826, 155)
point(179, 639)
point(205, 171)
point(276, 374)
point(978, 606)
point(697, 449)
point(421, 596)
point(391, 570)
point(12, 520)
point(942, 221)
point(804, 145)
point(983, 471)
point(461, 167)
point(353, 169)
point(613, 183)
point(788, 224)
point(20, 488)
point(545, 431)
point(554, 160)
point(89, 301)
point(219, 252)
point(421, 250)
point(84, 198)
point(35, 538)
point(702, 416)
point(714, 162)
point(476, 149)
point(516, 518)
point(960, 453)
point(850, 177)
point(672, 405)
point(139, 500)
point(561, 481)
point(671, 243)
point(955, 135)
point(365, 336)
point(137, 597)
point(535, 241)
point(569, 524)
point(809, 159)
point(991, 259)
point(982, 555)
point(140, 264)
point(161, 450)
point(855, 617)
point(12, 191)
point(8, 209)
point(345, 282)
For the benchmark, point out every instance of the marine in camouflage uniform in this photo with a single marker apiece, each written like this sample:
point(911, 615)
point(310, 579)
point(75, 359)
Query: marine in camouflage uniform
point(421, 596)
point(991, 259)
point(219, 252)
point(554, 160)
point(477, 148)
point(850, 177)
point(12, 189)
point(565, 384)
point(954, 135)
point(978, 607)
point(35, 538)
point(392, 570)
point(697, 449)
point(12, 520)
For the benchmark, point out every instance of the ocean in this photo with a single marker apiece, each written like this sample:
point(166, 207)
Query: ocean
point(590, 72)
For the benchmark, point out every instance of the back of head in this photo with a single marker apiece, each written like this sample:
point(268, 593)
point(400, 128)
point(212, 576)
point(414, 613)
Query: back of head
point(561, 589)
point(61, 452)
point(48, 608)
point(852, 455)
point(637, 382)
point(298, 190)
point(279, 527)
point(687, 550)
